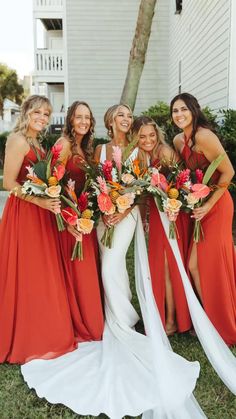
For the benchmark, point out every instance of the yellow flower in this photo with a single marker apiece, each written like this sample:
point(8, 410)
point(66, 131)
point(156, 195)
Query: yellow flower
point(53, 191)
point(172, 205)
point(114, 195)
point(87, 214)
point(85, 225)
point(173, 193)
point(52, 181)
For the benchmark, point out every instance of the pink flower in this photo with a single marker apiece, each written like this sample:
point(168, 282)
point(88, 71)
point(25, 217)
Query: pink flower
point(56, 151)
point(83, 201)
point(159, 180)
point(199, 175)
point(102, 185)
point(107, 168)
point(59, 171)
point(117, 155)
point(199, 190)
point(104, 202)
point(182, 178)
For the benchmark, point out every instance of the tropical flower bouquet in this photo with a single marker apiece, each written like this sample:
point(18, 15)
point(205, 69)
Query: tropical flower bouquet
point(77, 213)
point(117, 184)
point(44, 178)
point(193, 190)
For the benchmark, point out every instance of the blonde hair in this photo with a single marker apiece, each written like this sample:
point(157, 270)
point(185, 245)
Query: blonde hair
point(32, 103)
point(142, 121)
point(110, 115)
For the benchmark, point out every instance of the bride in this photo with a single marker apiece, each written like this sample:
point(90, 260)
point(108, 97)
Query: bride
point(127, 373)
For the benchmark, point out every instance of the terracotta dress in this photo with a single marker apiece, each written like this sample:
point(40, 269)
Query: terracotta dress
point(216, 257)
point(35, 320)
point(82, 277)
point(158, 248)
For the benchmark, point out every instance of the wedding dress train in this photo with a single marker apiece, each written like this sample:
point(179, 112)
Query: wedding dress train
point(127, 373)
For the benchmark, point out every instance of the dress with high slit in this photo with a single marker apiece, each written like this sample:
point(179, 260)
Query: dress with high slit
point(82, 276)
point(35, 320)
point(159, 249)
point(216, 256)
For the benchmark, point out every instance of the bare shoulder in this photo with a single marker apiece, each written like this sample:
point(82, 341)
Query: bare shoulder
point(17, 141)
point(178, 141)
point(205, 136)
point(64, 141)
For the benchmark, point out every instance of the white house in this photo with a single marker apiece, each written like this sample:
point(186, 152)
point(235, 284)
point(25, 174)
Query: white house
point(10, 113)
point(86, 44)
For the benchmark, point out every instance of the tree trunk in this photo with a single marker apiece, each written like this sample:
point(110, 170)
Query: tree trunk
point(138, 52)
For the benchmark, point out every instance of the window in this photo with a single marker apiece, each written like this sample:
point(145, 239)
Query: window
point(178, 7)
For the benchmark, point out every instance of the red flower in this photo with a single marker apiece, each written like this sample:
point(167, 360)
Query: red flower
point(59, 171)
point(83, 201)
point(107, 169)
point(199, 175)
point(182, 178)
point(69, 215)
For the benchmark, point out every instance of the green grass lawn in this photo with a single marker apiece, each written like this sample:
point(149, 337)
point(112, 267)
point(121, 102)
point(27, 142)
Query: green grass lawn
point(18, 402)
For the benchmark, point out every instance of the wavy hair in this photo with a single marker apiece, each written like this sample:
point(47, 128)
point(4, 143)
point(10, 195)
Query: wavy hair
point(30, 104)
point(199, 119)
point(110, 115)
point(87, 141)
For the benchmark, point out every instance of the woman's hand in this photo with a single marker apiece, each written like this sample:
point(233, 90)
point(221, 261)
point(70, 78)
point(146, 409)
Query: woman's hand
point(115, 218)
point(51, 204)
point(200, 212)
point(77, 234)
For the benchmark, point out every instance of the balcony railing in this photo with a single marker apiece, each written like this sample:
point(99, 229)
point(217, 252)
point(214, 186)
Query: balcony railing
point(47, 5)
point(49, 62)
point(58, 118)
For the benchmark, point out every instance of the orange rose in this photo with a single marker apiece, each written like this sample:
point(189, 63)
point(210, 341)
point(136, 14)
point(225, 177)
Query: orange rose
point(85, 225)
point(124, 202)
point(53, 191)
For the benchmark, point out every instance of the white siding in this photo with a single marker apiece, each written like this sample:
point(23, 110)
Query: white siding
point(98, 37)
point(200, 38)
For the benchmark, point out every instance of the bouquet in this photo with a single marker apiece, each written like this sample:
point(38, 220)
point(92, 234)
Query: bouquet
point(193, 190)
point(44, 178)
point(165, 197)
point(77, 213)
point(116, 184)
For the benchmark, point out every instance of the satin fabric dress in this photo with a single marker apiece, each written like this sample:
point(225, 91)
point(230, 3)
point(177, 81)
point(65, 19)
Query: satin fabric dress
point(35, 320)
point(82, 277)
point(158, 248)
point(216, 257)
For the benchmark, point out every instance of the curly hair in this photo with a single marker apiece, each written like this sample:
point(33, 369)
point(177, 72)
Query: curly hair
point(31, 104)
point(87, 141)
point(110, 115)
point(199, 119)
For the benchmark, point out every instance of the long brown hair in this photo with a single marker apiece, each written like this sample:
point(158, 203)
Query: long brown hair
point(199, 119)
point(87, 141)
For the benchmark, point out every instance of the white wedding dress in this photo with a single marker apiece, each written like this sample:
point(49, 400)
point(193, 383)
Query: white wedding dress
point(127, 373)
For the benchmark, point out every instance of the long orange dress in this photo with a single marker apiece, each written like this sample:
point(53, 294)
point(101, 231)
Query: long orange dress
point(35, 320)
point(82, 277)
point(216, 257)
point(159, 248)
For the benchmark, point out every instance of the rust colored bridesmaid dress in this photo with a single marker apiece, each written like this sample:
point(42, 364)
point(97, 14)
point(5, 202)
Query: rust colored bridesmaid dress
point(158, 248)
point(35, 320)
point(216, 257)
point(82, 277)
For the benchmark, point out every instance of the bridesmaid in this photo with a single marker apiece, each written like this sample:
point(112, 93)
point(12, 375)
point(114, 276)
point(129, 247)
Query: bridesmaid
point(35, 319)
point(211, 261)
point(82, 277)
point(166, 281)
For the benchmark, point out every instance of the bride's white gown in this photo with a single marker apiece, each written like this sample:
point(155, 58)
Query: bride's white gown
point(126, 373)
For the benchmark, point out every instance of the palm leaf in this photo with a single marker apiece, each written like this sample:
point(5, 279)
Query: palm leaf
point(128, 149)
point(211, 168)
point(40, 169)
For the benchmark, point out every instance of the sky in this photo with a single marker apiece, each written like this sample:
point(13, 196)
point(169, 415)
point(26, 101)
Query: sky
point(16, 35)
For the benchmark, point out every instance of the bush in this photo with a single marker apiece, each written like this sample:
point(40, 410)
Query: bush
point(161, 115)
point(3, 139)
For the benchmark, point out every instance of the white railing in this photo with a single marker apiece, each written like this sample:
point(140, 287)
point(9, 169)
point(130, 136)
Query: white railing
point(48, 5)
point(58, 118)
point(49, 62)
